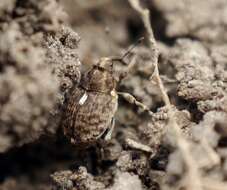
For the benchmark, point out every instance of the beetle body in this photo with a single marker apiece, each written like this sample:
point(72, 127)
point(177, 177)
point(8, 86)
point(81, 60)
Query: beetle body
point(91, 106)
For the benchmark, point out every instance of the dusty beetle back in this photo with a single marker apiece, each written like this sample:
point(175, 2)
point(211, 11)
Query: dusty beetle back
point(91, 106)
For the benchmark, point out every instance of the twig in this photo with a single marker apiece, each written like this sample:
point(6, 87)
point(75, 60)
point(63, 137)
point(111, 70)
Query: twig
point(145, 16)
point(167, 79)
point(213, 156)
point(194, 181)
point(136, 145)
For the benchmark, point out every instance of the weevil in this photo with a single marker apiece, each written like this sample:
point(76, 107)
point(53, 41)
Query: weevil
point(90, 110)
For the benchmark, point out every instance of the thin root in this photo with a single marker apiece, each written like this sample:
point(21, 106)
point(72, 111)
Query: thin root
point(194, 178)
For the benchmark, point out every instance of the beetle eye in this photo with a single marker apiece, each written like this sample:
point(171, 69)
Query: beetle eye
point(99, 68)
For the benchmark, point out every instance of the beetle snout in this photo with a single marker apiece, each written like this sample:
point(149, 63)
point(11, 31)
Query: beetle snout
point(106, 63)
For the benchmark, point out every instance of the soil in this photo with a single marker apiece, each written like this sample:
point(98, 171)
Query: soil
point(45, 48)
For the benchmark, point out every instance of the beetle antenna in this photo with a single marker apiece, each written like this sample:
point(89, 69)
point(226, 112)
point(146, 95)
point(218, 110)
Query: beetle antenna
point(129, 50)
point(107, 33)
point(132, 47)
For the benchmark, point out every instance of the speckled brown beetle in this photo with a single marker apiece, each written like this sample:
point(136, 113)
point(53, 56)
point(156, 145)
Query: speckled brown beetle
point(90, 109)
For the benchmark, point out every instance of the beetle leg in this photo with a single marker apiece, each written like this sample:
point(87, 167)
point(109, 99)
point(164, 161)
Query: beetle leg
point(101, 134)
point(132, 100)
point(106, 134)
point(110, 131)
point(128, 69)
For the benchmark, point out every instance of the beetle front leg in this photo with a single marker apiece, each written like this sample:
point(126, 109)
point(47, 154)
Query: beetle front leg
point(106, 134)
point(132, 100)
point(110, 131)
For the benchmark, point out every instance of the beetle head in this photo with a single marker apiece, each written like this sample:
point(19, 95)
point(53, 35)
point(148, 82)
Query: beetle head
point(100, 77)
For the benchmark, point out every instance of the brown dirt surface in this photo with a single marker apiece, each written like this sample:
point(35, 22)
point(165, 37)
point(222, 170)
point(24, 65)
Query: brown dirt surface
point(47, 46)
